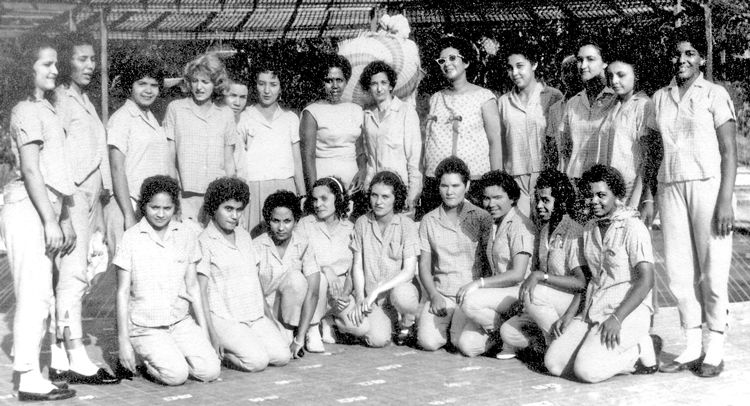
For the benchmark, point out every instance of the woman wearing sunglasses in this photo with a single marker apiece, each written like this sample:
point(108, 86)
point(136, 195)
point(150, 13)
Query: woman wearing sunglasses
point(463, 121)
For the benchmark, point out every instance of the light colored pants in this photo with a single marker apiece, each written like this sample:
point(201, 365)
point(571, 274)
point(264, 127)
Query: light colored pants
point(287, 301)
point(527, 184)
point(697, 260)
point(175, 352)
point(377, 327)
point(87, 217)
point(432, 331)
point(252, 346)
point(484, 308)
point(548, 306)
point(252, 217)
point(23, 232)
point(579, 350)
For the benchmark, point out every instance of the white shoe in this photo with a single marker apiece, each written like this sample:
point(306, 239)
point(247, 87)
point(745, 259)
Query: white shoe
point(507, 352)
point(313, 341)
point(329, 336)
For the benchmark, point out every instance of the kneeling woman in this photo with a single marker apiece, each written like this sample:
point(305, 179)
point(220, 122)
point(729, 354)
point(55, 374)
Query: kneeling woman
point(156, 283)
point(228, 276)
point(289, 273)
point(385, 245)
point(612, 336)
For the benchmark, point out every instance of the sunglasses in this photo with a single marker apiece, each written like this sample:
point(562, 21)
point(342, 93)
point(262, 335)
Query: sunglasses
point(451, 57)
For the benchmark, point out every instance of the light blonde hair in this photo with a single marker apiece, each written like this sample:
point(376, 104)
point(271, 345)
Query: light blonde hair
point(211, 66)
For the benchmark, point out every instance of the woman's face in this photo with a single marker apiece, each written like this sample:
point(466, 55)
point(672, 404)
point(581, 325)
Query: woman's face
point(268, 87)
point(520, 70)
point(621, 78)
point(281, 224)
point(382, 199)
point(380, 87)
point(452, 189)
point(324, 202)
point(545, 204)
point(144, 92)
point(590, 63)
point(236, 98)
point(45, 70)
point(453, 65)
point(228, 215)
point(201, 87)
point(159, 210)
point(83, 65)
point(602, 200)
point(687, 61)
point(335, 82)
point(496, 201)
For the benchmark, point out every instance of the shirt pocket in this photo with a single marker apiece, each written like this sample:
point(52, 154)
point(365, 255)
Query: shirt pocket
point(395, 250)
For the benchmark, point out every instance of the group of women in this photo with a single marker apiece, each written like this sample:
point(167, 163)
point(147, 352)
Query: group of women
point(280, 248)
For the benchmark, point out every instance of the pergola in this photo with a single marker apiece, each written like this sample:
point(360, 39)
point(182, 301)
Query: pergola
point(113, 20)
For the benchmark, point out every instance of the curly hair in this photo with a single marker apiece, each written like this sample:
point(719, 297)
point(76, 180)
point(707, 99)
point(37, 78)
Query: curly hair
point(30, 51)
point(695, 37)
point(340, 197)
point(372, 69)
point(276, 69)
point(66, 45)
point(391, 179)
point(468, 52)
point(154, 185)
point(281, 198)
point(211, 66)
point(562, 189)
point(453, 164)
point(140, 67)
point(503, 180)
point(222, 190)
point(336, 61)
point(607, 174)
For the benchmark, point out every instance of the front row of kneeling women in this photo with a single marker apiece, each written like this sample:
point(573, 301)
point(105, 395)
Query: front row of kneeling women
point(259, 302)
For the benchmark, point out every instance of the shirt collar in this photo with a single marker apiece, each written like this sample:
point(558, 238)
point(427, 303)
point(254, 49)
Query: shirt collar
point(254, 113)
point(466, 208)
point(145, 227)
point(700, 81)
point(190, 104)
point(395, 106)
point(508, 219)
point(214, 233)
point(136, 111)
point(81, 98)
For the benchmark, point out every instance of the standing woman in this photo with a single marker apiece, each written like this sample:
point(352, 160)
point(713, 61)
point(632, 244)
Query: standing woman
point(203, 132)
point(267, 130)
point(35, 222)
point(586, 111)
point(331, 130)
point(288, 270)
point(329, 233)
point(138, 146)
point(385, 246)
point(88, 165)
point(620, 144)
point(463, 122)
point(695, 197)
point(523, 123)
point(393, 139)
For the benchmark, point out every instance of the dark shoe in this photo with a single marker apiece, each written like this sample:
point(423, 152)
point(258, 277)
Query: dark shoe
point(58, 375)
point(54, 394)
point(709, 371)
point(123, 373)
point(641, 369)
point(101, 377)
point(60, 385)
point(403, 338)
point(675, 366)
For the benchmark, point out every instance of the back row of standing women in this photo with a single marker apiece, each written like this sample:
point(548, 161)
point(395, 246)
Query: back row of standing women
point(65, 167)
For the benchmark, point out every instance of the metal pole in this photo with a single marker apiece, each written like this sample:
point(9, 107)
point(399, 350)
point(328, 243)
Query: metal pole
point(105, 68)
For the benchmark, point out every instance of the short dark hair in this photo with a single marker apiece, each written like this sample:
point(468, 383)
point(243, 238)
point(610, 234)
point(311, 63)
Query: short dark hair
point(591, 42)
point(340, 197)
point(453, 164)
point(696, 38)
point(30, 50)
point(467, 50)
point(336, 61)
point(562, 189)
point(525, 49)
point(65, 46)
point(281, 198)
point(372, 69)
point(504, 180)
point(391, 179)
point(222, 190)
point(154, 185)
point(607, 174)
point(138, 68)
point(274, 68)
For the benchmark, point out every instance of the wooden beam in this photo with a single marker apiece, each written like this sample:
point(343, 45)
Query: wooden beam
point(288, 26)
point(155, 24)
point(105, 69)
point(709, 40)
